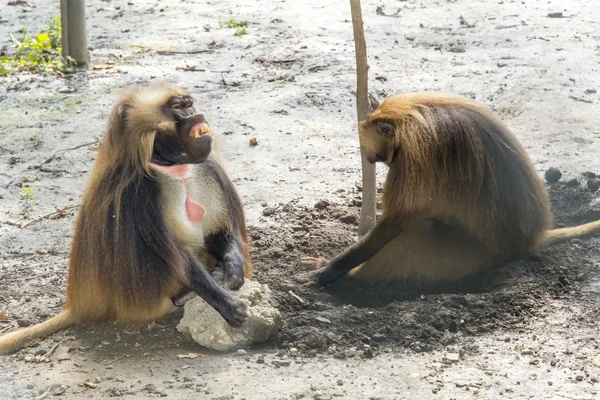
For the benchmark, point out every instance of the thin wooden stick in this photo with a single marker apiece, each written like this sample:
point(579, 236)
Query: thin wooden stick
point(294, 295)
point(52, 350)
point(170, 52)
point(47, 160)
point(369, 189)
point(53, 213)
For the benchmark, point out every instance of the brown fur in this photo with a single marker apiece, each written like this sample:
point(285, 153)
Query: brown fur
point(461, 192)
point(126, 263)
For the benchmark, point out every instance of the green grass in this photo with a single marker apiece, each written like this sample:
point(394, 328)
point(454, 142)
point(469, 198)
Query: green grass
point(37, 138)
point(38, 54)
point(27, 194)
point(239, 26)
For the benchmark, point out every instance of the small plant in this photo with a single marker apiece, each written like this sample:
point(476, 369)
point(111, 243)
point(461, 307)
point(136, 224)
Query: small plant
point(27, 194)
point(41, 54)
point(37, 138)
point(238, 25)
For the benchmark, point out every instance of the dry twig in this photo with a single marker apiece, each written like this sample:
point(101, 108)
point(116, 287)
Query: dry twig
point(59, 211)
point(47, 160)
point(52, 350)
point(170, 52)
point(294, 295)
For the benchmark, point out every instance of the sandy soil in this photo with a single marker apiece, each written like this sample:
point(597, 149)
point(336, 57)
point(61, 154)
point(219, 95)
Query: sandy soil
point(526, 331)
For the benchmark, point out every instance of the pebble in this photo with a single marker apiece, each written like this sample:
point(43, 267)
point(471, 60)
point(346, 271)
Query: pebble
point(593, 185)
point(378, 337)
point(260, 360)
point(60, 390)
point(453, 327)
point(321, 205)
point(349, 219)
point(552, 175)
point(572, 182)
point(282, 363)
point(241, 352)
point(268, 211)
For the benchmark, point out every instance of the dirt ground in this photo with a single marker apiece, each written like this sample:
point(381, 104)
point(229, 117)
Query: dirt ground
point(526, 331)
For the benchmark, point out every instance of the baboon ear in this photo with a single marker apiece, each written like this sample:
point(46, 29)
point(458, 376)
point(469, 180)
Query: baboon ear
point(373, 102)
point(117, 118)
point(386, 129)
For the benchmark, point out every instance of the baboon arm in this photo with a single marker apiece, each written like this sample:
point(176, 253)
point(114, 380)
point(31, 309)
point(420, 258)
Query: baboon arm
point(226, 249)
point(203, 284)
point(384, 231)
point(230, 308)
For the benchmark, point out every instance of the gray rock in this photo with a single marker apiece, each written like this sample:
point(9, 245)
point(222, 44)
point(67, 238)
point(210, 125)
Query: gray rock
point(206, 327)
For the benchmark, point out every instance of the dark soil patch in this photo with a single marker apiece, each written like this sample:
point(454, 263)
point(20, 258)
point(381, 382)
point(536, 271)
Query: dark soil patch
point(342, 320)
point(412, 315)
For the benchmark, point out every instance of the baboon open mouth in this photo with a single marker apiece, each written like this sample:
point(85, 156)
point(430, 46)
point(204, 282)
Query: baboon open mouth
point(199, 129)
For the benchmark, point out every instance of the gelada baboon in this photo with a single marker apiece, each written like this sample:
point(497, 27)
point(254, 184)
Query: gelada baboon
point(461, 195)
point(157, 210)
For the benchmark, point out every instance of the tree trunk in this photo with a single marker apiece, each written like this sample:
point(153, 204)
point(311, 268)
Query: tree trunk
point(369, 185)
point(74, 39)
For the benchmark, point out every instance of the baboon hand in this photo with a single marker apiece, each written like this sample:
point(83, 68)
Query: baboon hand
point(233, 278)
point(228, 276)
point(328, 275)
point(314, 265)
point(218, 274)
point(321, 272)
point(313, 262)
point(234, 311)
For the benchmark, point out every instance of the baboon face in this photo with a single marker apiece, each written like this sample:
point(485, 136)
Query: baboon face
point(185, 137)
point(377, 138)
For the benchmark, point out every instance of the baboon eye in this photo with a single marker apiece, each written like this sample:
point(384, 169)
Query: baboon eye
point(386, 129)
point(176, 107)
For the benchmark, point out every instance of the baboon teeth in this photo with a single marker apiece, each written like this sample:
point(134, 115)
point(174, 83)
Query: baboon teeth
point(199, 129)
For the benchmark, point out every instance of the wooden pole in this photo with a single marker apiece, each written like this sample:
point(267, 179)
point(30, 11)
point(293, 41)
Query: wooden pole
point(74, 39)
point(369, 185)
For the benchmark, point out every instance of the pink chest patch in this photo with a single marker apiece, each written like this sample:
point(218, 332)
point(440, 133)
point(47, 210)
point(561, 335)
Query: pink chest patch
point(193, 210)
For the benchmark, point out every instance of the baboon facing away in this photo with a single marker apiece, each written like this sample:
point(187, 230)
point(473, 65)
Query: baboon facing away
point(461, 195)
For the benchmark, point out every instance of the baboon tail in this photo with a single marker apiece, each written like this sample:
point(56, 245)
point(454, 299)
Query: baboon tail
point(555, 236)
point(15, 340)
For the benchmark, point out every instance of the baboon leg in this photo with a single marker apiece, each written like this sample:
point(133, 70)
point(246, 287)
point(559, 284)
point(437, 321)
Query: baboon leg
point(231, 309)
point(183, 297)
point(431, 251)
point(227, 250)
